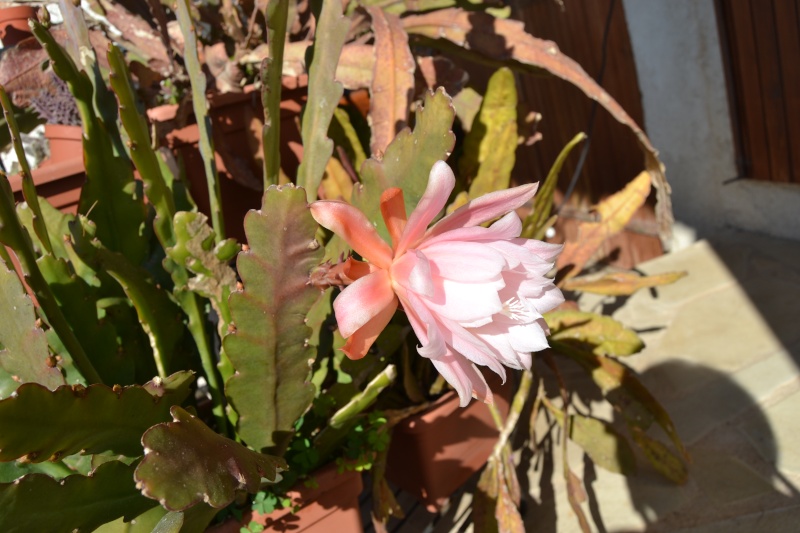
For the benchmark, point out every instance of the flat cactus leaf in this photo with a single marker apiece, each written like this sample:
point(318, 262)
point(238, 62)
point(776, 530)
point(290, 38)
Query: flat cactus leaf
point(76, 503)
point(269, 348)
point(537, 223)
point(392, 85)
point(110, 197)
point(160, 316)
point(144, 523)
point(193, 519)
point(602, 335)
point(142, 153)
point(324, 93)
point(57, 226)
point(23, 346)
point(53, 424)
point(186, 463)
point(195, 249)
point(408, 159)
point(491, 144)
point(277, 14)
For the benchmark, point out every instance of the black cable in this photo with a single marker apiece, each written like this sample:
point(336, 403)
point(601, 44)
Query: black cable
point(593, 113)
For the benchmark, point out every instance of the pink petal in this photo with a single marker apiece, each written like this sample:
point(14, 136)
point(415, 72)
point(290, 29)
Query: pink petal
point(467, 303)
point(362, 301)
point(440, 183)
point(545, 250)
point(503, 229)
point(435, 347)
point(471, 347)
point(548, 300)
point(485, 208)
point(527, 338)
point(465, 378)
point(359, 343)
point(353, 226)
point(420, 280)
point(393, 209)
point(465, 261)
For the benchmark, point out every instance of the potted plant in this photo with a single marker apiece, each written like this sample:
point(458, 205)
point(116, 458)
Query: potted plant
point(14, 24)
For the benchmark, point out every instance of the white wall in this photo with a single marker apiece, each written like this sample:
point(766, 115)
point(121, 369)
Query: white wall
point(684, 94)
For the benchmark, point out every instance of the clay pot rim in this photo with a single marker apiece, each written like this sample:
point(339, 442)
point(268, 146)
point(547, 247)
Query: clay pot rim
point(15, 12)
point(63, 131)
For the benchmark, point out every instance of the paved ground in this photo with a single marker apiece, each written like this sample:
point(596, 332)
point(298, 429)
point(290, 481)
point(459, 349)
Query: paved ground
point(723, 356)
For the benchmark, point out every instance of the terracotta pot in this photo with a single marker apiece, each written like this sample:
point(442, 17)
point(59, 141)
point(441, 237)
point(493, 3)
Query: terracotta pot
point(436, 451)
point(330, 507)
point(237, 120)
point(60, 177)
point(14, 24)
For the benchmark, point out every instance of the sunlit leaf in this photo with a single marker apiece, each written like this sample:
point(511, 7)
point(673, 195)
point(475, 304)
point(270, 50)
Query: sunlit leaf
point(186, 462)
point(621, 283)
point(602, 335)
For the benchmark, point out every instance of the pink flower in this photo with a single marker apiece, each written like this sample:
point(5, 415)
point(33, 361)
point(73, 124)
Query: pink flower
point(473, 295)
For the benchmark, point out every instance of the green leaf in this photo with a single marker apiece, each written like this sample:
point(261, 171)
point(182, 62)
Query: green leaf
point(110, 197)
point(189, 521)
point(186, 462)
point(269, 348)
point(37, 502)
point(53, 424)
point(344, 134)
point(276, 13)
point(408, 159)
point(57, 226)
point(621, 283)
point(142, 153)
point(195, 249)
point(160, 317)
point(491, 144)
point(603, 444)
point(23, 347)
point(602, 335)
point(324, 93)
point(537, 223)
point(144, 523)
point(197, 78)
point(663, 460)
point(365, 398)
point(624, 391)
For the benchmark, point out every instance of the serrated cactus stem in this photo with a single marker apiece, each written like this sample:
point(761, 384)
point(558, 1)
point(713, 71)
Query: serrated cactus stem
point(271, 73)
point(28, 187)
point(142, 153)
point(14, 236)
point(196, 327)
point(199, 103)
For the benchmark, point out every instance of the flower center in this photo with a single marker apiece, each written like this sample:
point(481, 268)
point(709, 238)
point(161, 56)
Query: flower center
point(516, 310)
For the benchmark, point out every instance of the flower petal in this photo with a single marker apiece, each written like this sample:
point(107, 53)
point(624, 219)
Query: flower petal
point(464, 261)
point(353, 226)
point(465, 378)
point(485, 208)
point(502, 230)
point(362, 339)
point(440, 183)
point(393, 209)
point(467, 303)
point(362, 301)
point(420, 280)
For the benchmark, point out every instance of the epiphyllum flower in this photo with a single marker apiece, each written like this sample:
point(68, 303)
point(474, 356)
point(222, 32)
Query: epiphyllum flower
point(473, 295)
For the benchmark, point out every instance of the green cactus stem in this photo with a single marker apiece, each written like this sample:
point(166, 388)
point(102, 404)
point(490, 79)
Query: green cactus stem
point(13, 235)
point(271, 71)
point(28, 187)
point(200, 105)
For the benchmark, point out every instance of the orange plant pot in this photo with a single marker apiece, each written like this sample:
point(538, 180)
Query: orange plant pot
point(330, 507)
point(14, 24)
point(61, 176)
point(434, 452)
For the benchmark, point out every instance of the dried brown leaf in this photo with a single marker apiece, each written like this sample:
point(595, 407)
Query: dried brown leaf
point(614, 213)
point(392, 80)
point(621, 283)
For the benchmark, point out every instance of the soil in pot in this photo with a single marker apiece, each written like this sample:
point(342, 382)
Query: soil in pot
point(436, 451)
point(329, 507)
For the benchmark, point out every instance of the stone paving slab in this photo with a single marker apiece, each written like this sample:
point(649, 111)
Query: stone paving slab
point(723, 357)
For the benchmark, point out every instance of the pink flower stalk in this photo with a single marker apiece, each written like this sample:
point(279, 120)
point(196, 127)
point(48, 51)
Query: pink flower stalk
point(473, 295)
